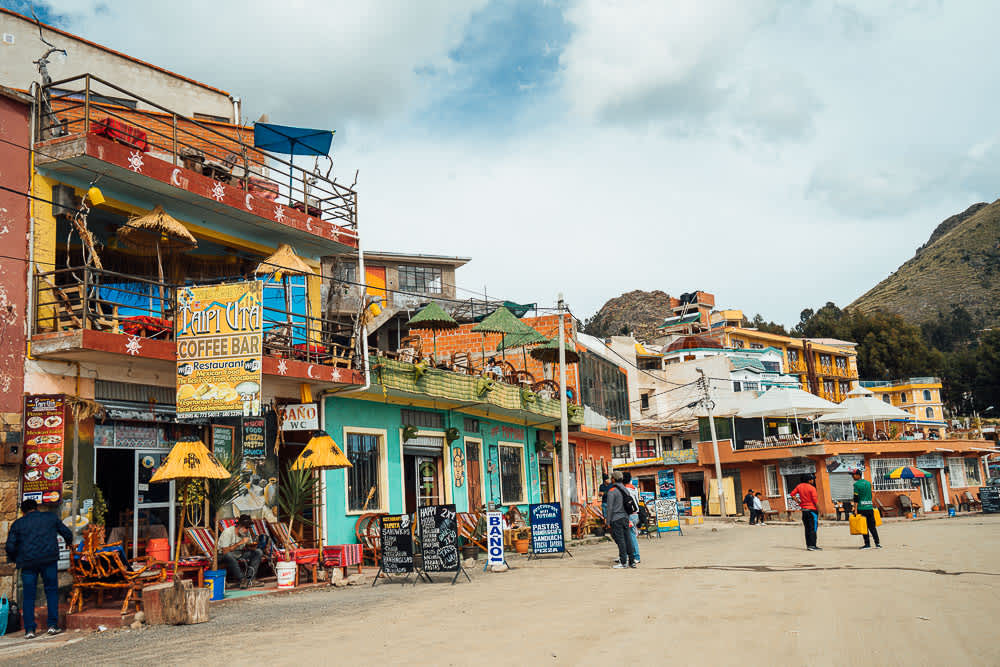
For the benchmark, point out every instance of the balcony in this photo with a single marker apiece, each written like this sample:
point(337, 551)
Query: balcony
point(199, 165)
point(107, 318)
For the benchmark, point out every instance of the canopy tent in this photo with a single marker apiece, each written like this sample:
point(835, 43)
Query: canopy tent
point(865, 408)
point(292, 141)
point(792, 403)
point(859, 391)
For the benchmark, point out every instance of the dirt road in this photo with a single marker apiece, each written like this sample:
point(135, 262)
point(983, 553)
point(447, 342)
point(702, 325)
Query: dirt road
point(740, 595)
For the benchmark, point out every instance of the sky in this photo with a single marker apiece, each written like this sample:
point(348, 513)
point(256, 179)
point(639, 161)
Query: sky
point(779, 155)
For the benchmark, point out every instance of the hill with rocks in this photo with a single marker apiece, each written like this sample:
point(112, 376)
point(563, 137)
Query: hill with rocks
point(636, 312)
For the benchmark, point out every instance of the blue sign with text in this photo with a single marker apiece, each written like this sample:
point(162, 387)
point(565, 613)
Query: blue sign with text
point(546, 528)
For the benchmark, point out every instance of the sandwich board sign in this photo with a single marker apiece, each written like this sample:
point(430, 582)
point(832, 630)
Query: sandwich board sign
point(494, 538)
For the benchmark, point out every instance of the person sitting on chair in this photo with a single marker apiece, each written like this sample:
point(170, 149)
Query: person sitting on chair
point(236, 544)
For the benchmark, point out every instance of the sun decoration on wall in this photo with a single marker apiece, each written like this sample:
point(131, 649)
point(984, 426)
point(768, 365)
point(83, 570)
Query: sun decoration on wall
point(135, 161)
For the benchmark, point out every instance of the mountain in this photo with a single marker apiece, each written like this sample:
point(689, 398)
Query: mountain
point(958, 266)
point(636, 312)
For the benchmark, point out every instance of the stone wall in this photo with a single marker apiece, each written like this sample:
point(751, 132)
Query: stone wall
point(10, 432)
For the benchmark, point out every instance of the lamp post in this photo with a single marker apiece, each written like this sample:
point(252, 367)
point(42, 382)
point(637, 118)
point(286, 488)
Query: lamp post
point(710, 406)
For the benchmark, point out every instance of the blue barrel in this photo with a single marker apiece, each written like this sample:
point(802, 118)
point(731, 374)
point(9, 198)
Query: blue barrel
point(951, 510)
point(216, 580)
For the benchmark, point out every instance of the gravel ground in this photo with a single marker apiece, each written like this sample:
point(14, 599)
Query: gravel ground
point(724, 593)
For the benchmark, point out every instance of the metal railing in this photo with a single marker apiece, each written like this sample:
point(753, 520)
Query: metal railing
point(79, 298)
point(197, 145)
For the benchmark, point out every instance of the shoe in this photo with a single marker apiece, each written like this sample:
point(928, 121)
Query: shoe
point(54, 631)
point(864, 546)
point(878, 546)
point(618, 566)
point(244, 583)
point(633, 565)
point(30, 635)
point(813, 549)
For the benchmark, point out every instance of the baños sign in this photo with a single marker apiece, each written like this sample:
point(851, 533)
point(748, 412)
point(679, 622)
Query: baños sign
point(494, 538)
point(219, 332)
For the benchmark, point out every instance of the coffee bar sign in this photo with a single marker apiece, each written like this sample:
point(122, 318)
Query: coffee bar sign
point(300, 417)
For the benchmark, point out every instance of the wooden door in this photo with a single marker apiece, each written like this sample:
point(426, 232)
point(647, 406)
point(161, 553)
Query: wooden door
point(473, 473)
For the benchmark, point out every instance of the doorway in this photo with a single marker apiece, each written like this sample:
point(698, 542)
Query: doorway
point(422, 480)
point(137, 510)
point(546, 480)
point(929, 493)
point(474, 474)
point(154, 503)
point(694, 486)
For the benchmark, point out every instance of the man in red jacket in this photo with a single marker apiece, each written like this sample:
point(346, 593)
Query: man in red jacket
point(805, 495)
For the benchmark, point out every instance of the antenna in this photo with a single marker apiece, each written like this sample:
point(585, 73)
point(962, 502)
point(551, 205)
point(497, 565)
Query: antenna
point(43, 70)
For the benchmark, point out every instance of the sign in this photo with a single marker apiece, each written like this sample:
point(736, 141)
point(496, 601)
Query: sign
point(847, 463)
point(797, 467)
point(680, 456)
point(666, 515)
point(546, 528)
point(222, 441)
point(438, 538)
point(254, 438)
point(397, 544)
point(494, 538)
point(300, 417)
point(44, 439)
point(665, 486)
point(696, 506)
point(990, 495)
point(930, 461)
point(219, 335)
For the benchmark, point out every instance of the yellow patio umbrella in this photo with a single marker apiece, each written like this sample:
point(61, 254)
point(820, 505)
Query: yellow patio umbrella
point(321, 453)
point(189, 459)
point(282, 263)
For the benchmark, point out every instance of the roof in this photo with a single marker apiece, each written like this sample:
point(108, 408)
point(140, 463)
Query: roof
point(693, 342)
point(417, 257)
point(742, 363)
point(680, 319)
point(836, 342)
point(116, 53)
point(598, 347)
point(15, 94)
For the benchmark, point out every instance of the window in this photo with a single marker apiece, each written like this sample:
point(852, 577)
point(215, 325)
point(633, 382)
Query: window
point(604, 387)
point(471, 425)
point(738, 344)
point(793, 356)
point(771, 366)
point(882, 467)
point(771, 481)
point(511, 474)
point(930, 413)
point(972, 477)
point(421, 279)
point(844, 388)
point(824, 360)
point(644, 402)
point(687, 444)
point(903, 397)
point(927, 394)
point(645, 449)
point(751, 386)
point(364, 451)
point(956, 471)
point(828, 388)
point(841, 363)
point(885, 398)
point(737, 386)
point(756, 346)
point(421, 418)
point(620, 452)
point(347, 272)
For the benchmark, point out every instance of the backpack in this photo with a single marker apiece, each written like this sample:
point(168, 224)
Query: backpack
point(643, 515)
point(628, 502)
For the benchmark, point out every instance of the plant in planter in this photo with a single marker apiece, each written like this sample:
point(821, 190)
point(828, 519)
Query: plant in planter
point(222, 492)
point(522, 540)
point(296, 495)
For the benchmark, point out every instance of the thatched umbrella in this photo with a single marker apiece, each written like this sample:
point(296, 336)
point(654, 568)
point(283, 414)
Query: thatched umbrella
point(189, 459)
point(321, 453)
point(157, 231)
point(281, 264)
point(549, 354)
point(433, 317)
point(503, 322)
point(522, 341)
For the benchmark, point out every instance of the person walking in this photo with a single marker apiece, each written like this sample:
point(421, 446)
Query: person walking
point(32, 547)
point(633, 518)
point(863, 506)
point(619, 502)
point(748, 501)
point(603, 490)
point(805, 495)
point(758, 509)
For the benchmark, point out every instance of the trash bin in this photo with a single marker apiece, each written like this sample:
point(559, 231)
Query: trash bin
point(216, 580)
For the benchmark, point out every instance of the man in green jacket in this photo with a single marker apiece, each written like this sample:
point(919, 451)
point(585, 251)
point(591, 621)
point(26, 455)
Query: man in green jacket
point(863, 506)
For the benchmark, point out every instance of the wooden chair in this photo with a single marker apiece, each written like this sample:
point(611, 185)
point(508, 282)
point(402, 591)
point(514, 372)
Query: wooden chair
point(885, 511)
point(971, 501)
point(462, 363)
point(100, 567)
point(524, 379)
point(289, 550)
point(472, 528)
point(366, 530)
point(546, 388)
point(411, 349)
point(767, 510)
point(577, 518)
point(906, 504)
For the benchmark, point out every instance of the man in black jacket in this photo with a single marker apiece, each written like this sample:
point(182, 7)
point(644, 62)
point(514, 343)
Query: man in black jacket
point(32, 547)
point(617, 519)
point(748, 501)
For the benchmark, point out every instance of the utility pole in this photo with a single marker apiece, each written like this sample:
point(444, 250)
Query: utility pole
point(567, 497)
point(710, 406)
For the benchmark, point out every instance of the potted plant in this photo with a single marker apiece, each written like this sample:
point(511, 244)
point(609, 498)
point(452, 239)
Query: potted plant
point(222, 492)
point(522, 540)
point(296, 496)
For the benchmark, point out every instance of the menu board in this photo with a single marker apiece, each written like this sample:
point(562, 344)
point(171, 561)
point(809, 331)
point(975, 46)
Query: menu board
point(219, 336)
point(44, 439)
point(397, 543)
point(254, 440)
point(222, 441)
point(546, 528)
point(666, 515)
point(438, 538)
point(990, 495)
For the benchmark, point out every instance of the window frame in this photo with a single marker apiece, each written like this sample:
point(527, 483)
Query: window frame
point(651, 442)
point(929, 412)
point(483, 481)
point(774, 492)
point(881, 467)
point(928, 397)
point(958, 461)
point(383, 476)
point(419, 274)
point(972, 465)
point(524, 478)
point(617, 450)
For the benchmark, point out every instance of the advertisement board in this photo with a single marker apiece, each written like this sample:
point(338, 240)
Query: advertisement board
point(44, 447)
point(300, 417)
point(666, 504)
point(494, 538)
point(546, 528)
point(219, 337)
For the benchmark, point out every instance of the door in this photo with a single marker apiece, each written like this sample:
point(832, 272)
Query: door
point(713, 496)
point(428, 484)
point(474, 475)
point(929, 493)
point(546, 478)
point(153, 503)
point(375, 278)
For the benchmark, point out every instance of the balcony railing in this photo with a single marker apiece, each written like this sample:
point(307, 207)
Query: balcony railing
point(220, 150)
point(81, 298)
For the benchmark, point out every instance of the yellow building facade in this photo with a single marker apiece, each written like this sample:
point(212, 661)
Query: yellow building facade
point(920, 396)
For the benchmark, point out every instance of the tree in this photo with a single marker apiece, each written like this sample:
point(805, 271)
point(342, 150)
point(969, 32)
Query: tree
point(760, 324)
point(950, 330)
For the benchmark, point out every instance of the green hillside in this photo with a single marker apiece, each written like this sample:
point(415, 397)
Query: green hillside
point(959, 266)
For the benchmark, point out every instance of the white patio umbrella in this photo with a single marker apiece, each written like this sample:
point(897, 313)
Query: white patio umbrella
point(859, 391)
point(792, 403)
point(865, 408)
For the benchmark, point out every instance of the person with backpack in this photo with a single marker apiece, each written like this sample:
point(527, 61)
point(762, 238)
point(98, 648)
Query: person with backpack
point(620, 506)
point(633, 517)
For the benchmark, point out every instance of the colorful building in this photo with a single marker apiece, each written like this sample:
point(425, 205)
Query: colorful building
point(920, 396)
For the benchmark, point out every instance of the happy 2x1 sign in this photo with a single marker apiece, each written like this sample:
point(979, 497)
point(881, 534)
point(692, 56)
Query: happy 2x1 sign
point(219, 332)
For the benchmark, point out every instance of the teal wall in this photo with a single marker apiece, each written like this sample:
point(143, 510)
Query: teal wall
point(341, 413)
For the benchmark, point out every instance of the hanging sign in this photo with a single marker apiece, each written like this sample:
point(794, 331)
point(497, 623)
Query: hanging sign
point(797, 467)
point(438, 538)
point(546, 528)
point(300, 417)
point(254, 440)
point(494, 538)
point(845, 463)
point(665, 485)
point(219, 336)
point(930, 461)
point(397, 544)
point(44, 439)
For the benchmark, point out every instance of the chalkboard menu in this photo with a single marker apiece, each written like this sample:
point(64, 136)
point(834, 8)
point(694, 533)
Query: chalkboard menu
point(990, 496)
point(222, 440)
point(254, 442)
point(438, 538)
point(397, 544)
point(546, 528)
